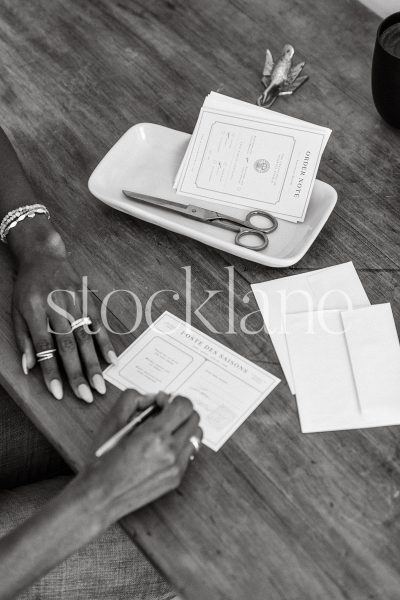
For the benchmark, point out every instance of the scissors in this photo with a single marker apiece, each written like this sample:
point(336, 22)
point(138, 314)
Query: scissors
point(244, 228)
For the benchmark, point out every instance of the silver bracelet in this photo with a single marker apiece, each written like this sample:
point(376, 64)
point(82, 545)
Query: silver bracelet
point(14, 214)
point(19, 214)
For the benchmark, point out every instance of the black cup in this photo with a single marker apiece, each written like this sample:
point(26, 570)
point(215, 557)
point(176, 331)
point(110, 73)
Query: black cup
point(386, 77)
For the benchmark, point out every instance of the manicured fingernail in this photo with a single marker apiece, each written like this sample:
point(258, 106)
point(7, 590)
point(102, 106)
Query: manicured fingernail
point(30, 360)
point(24, 364)
point(112, 357)
point(85, 393)
point(99, 384)
point(56, 389)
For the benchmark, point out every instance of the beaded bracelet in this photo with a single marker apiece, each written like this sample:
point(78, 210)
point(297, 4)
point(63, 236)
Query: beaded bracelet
point(14, 214)
point(19, 214)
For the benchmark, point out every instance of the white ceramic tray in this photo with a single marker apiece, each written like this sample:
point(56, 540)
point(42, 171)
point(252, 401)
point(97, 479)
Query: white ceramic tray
point(146, 159)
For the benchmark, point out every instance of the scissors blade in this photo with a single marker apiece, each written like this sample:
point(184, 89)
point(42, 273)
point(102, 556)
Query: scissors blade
point(194, 212)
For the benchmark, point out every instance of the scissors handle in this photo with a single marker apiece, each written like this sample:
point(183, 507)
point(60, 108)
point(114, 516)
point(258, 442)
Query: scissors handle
point(265, 215)
point(229, 222)
point(261, 235)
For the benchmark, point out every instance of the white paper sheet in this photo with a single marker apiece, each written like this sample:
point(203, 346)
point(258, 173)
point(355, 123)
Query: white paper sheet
point(375, 357)
point(337, 287)
point(172, 356)
point(346, 367)
point(245, 156)
point(216, 101)
point(325, 390)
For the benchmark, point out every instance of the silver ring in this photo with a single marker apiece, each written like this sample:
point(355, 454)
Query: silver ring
point(47, 357)
point(196, 443)
point(45, 352)
point(80, 323)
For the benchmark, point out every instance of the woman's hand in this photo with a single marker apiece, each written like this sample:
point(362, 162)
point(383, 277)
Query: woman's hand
point(47, 298)
point(148, 462)
point(42, 268)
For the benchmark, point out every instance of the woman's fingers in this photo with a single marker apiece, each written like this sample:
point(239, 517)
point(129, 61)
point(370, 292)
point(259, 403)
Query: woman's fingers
point(77, 350)
point(89, 358)
point(124, 409)
point(128, 403)
point(84, 339)
point(43, 343)
point(186, 431)
point(69, 355)
point(100, 334)
point(24, 342)
point(162, 399)
point(174, 414)
point(188, 450)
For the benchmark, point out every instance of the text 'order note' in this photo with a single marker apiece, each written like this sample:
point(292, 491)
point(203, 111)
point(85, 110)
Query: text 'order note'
point(244, 156)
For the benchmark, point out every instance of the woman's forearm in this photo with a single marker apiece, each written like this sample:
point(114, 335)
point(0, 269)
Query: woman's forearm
point(75, 517)
point(31, 235)
point(15, 189)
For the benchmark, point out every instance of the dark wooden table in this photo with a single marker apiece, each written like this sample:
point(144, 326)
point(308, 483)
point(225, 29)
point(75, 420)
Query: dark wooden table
point(275, 514)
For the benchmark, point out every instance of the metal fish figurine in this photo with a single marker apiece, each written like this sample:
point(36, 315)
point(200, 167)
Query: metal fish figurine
point(280, 78)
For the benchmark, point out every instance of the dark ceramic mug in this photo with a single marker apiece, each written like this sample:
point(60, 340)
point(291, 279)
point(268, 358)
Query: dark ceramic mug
point(386, 74)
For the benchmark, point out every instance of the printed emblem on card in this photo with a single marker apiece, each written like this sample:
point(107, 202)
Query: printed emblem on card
point(261, 165)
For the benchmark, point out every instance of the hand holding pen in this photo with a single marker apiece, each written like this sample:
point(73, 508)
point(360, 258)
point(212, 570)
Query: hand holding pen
point(149, 461)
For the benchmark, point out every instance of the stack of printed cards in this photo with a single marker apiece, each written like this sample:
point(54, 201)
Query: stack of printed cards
point(340, 355)
point(245, 156)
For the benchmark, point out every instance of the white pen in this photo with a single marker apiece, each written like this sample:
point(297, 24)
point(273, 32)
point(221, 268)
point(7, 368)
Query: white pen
point(114, 439)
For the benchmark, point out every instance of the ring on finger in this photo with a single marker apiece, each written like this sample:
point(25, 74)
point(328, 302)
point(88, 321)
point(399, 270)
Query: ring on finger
point(80, 323)
point(196, 443)
point(45, 354)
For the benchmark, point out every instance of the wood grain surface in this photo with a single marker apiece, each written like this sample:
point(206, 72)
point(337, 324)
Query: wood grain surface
point(275, 514)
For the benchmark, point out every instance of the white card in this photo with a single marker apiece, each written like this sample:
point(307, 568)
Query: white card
point(226, 104)
point(346, 368)
point(325, 391)
point(175, 357)
point(337, 287)
point(253, 158)
point(375, 356)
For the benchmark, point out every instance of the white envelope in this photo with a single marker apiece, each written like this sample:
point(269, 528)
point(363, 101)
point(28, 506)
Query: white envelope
point(337, 287)
point(346, 368)
point(375, 356)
